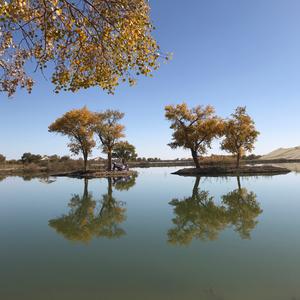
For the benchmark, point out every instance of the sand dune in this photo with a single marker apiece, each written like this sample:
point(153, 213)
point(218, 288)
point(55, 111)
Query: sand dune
point(283, 153)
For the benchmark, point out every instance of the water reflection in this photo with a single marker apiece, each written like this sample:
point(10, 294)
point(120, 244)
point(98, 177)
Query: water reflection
point(124, 183)
point(90, 218)
point(28, 177)
point(242, 210)
point(200, 217)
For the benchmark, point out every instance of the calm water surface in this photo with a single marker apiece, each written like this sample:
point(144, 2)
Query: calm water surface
point(156, 236)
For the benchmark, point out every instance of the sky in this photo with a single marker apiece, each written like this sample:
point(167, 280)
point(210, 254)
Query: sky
point(225, 53)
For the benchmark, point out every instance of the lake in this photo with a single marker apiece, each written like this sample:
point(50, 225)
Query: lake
point(156, 236)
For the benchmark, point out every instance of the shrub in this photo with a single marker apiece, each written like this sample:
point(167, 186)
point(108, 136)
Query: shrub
point(28, 158)
point(2, 159)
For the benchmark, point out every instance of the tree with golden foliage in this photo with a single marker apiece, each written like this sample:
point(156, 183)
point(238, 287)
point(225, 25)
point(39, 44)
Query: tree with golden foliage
point(109, 131)
point(194, 128)
point(78, 126)
point(124, 151)
point(240, 134)
point(89, 42)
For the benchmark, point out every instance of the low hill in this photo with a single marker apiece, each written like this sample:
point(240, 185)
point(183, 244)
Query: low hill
point(283, 153)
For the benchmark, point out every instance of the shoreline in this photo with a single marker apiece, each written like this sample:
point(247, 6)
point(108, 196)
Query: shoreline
point(207, 169)
point(218, 171)
point(95, 174)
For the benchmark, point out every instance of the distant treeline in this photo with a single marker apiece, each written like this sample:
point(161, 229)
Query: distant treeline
point(28, 158)
point(43, 160)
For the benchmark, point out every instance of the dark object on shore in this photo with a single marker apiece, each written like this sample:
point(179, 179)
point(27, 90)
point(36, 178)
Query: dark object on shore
point(233, 171)
point(119, 167)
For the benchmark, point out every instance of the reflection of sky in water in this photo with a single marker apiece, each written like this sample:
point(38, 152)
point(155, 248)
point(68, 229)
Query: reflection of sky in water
point(39, 263)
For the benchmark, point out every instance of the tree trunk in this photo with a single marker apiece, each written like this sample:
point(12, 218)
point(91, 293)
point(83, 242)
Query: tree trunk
point(109, 187)
point(109, 160)
point(196, 186)
point(238, 157)
point(239, 183)
point(195, 158)
point(85, 191)
point(85, 162)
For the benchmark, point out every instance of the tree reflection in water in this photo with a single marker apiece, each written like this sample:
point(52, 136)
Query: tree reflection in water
point(89, 218)
point(199, 217)
point(2, 177)
point(242, 210)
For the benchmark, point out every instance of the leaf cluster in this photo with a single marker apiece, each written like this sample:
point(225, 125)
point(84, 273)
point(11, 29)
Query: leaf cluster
point(89, 42)
point(28, 158)
point(78, 125)
point(108, 128)
point(240, 133)
point(193, 128)
point(125, 151)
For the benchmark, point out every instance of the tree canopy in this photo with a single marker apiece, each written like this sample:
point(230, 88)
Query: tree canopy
point(28, 157)
point(124, 151)
point(86, 43)
point(109, 131)
point(78, 125)
point(240, 133)
point(194, 128)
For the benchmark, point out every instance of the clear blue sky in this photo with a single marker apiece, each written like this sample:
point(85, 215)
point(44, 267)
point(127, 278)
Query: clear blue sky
point(226, 53)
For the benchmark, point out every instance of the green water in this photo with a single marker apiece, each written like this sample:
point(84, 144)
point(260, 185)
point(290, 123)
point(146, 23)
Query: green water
point(156, 236)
